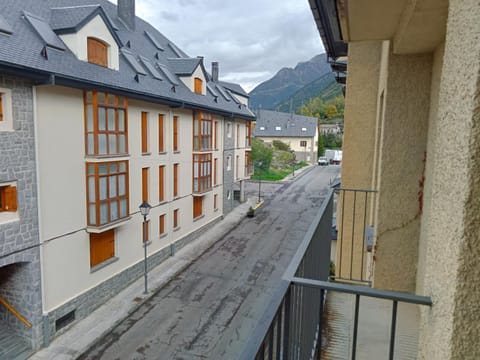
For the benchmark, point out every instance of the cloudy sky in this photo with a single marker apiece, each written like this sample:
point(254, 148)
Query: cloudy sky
point(251, 39)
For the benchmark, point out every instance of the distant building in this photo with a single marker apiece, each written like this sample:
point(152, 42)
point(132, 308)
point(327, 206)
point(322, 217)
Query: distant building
point(300, 132)
point(330, 129)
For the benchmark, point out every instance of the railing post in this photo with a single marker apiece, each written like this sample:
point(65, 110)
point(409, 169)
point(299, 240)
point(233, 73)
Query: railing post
point(355, 327)
point(286, 331)
point(393, 328)
point(320, 324)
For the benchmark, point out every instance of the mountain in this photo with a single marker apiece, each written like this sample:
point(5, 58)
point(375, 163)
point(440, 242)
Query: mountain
point(313, 75)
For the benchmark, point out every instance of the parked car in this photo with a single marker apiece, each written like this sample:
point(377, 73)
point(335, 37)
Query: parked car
point(323, 161)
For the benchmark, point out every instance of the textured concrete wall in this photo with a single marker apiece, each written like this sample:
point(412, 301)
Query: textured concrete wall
point(451, 328)
point(20, 283)
point(401, 169)
point(358, 154)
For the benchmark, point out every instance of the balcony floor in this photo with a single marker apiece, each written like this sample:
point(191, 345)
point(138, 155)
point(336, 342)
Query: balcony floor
point(373, 328)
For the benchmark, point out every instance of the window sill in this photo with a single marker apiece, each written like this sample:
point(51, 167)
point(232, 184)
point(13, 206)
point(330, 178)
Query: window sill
point(201, 193)
point(8, 217)
point(146, 153)
point(176, 151)
point(162, 202)
point(103, 157)
point(176, 229)
point(215, 210)
point(162, 152)
point(109, 226)
point(164, 235)
point(103, 264)
point(198, 218)
point(175, 198)
point(203, 150)
point(149, 242)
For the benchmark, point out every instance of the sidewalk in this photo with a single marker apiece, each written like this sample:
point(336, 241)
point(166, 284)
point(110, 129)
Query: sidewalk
point(85, 332)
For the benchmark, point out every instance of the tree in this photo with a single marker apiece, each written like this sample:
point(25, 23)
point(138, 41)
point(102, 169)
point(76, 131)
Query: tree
point(280, 145)
point(321, 146)
point(261, 155)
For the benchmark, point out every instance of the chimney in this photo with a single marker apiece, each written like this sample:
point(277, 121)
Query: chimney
point(215, 71)
point(126, 12)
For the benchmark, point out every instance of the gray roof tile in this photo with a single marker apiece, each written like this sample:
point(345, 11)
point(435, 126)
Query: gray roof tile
point(289, 125)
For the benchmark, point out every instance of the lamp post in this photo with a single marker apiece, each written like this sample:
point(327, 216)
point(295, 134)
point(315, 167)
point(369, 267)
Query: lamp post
point(145, 210)
point(259, 165)
point(293, 163)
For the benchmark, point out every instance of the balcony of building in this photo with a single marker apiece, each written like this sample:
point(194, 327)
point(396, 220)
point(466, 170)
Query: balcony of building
point(325, 306)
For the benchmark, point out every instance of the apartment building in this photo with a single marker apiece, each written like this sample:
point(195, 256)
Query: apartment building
point(100, 112)
point(411, 136)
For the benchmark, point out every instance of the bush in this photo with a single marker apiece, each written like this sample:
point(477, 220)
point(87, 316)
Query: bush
point(280, 145)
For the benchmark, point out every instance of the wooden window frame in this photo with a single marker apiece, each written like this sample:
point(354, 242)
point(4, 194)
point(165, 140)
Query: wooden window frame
point(145, 175)
point(95, 45)
point(202, 131)
point(8, 198)
point(102, 247)
point(198, 86)
point(247, 135)
point(161, 225)
point(161, 133)
point(175, 218)
point(144, 126)
point(118, 199)
point(92, 105)
point(202, 173)
point(216, 135)
point(197, 206)
point(161, 183)
point(303, 143)
point(175, 180)
point(175, 133)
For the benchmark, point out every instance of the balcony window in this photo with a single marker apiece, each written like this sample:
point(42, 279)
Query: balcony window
point(202, 131)
point(105, 124)
point(107, 189)
point(202, 172)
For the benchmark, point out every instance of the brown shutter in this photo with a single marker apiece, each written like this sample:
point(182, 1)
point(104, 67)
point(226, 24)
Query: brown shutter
point(102, 247)
point(145, 184)
point(162, 224)
point(198, 86)
point(197, 206)
point(144, 132)
point(175, 218)
point(160, 133)
point(97, 52)
point(1, 107)
point(175, 133)
point(161, 183)
point(175, 179)
point(10, 198)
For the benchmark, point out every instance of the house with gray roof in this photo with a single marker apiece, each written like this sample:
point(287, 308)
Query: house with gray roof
point(298, 131)
point(99, 113)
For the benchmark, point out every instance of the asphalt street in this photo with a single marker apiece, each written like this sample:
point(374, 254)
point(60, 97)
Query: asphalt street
point(210, 309)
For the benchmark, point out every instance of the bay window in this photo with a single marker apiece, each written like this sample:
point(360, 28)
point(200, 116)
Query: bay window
point(202, 172)
point(202, 131)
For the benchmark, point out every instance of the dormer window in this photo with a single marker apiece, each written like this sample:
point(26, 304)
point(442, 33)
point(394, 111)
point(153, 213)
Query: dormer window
point(97, 52)
point(198, 86)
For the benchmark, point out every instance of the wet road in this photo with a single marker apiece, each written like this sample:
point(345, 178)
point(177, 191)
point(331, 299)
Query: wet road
point(210, 309)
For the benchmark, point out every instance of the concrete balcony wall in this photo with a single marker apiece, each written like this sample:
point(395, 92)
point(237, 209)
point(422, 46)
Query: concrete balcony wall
point(400, 169)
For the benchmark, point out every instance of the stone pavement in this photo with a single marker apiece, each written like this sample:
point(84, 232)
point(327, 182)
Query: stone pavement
point(85, 332)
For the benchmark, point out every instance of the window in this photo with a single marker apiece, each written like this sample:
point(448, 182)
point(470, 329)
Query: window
point(215, 202)
point(197, 206)
point(202, 130)
point(146, 231)
point(97, 52)
point(238, 135)
point(198, 86)
point(304, 129)
point(216, 135)
point(175, 133)
point(8, 198)
point(248, 164)
point(175, 180)
point(161, 224)
point(229, 163)
point(303, 143)
point(161, 124)
point(237, 162)
point(175, 218)
point(102, 247)
point(202, 172)
point(107, 189)
point(105, 124)
point(1, 106)
point(161, 183)
point(229, 130)
point(262, 127)
point(247, 135)
point(145, 184)
point(215, 163)
point(144, 132)
point(278, 128)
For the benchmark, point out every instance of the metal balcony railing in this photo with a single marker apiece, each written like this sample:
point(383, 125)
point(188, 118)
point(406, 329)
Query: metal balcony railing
point(293, 325)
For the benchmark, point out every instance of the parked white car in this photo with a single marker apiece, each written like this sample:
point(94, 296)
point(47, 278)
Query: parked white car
point(323, 161)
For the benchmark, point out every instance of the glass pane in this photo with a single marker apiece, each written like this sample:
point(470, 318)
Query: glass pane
point(91, 169)
point(111, 99)
point(101, 98)
point(92, 219)
point(111, 119)
point(113, 186)
point(89, 118)
point(121, 144)
point(113, 211)
point(103, 188)
point(101, 119)
point(91, 189)
point(195, 184)
point(90, 144)
point(121, 120)
point(103, 213)
point(123, 208)
point(102, 144)
point(123, 166)
point(89, 97)
point(112, 144)
point(121, 100)
point(113, 167)
point(102, 169)
point(121, 185)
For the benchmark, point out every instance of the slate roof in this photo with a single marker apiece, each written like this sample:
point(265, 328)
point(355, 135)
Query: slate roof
point(235, 88)
point(26, 53)
point(291, 125)
point(184, 66)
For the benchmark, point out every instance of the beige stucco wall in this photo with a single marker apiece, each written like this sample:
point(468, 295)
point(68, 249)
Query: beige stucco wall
point(61, 157)
point(452, 273)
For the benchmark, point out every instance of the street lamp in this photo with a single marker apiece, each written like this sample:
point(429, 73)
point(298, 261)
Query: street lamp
point(145, 210)
point(259, 165)
point(293, 163)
